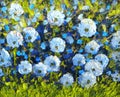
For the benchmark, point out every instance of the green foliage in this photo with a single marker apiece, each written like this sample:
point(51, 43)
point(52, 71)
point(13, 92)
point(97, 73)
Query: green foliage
point(102, 89)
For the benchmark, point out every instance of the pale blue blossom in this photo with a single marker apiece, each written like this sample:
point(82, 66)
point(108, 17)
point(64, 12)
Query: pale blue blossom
point(52, 63)
point(5, 59)
point(24, 67)
point(55, 17)
point(95, 67)
point(30, 34)
point(116, 56)
point(40, 69)
point(92, 47)
point(14, 39)
point(87, 79)
point(115, 41)
point(78, 60)
point(1, 72)
point(57, 44)
point(116, 76)
point(15, 10)
point(87, 28)
point(103, 59)
point(67, 79)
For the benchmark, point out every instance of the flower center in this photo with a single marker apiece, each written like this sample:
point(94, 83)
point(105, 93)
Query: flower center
point(56, 47)
point(29, 37)
point(52, 64)
point(86, 29)
point(25, 69)
point(88, 81)
point(14, 42)
point(91, 49)
point(2, 60)
point(93, 69)
point(39, 71)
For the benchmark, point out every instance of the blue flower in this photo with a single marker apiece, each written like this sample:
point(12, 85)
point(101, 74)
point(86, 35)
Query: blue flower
point(15, 10)
point(40, 69)
point(63, 6)
point(30, 34)
point(45, 22)
point(115, 41)
point(64, 35)
point(116, 76)
point(34, 19)
point(69, 50)
point(52, 63)
point(67, 79)
point(4, 9)
point(80, 51)
point(6, 28)
point(108, 7)
point(24, 67)
point(95, 67)
point(79, 41)
point(55, 17)
point(87, 28)
point(78, 60)
point(51, 2)
point(14, 39)
point(104, 34)
point(31, 6)
point(37, 59)
point(2, 41)
point(92, 47)
point(81, 72)
point(5, 59)
point(57, 44)
point(43, 45)
point(103, 59)
point(19, 53)
point(87, 79)
point(25, 56)
point(69, 39)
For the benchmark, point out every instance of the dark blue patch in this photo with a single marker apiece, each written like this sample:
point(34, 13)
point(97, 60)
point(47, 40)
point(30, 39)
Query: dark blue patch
point(40, 30)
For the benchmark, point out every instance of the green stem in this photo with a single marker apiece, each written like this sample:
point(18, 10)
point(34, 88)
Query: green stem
point(14, 55)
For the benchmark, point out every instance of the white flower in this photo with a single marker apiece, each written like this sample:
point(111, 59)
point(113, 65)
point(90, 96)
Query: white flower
point(87, 79)
point(78, 60)
point(40, 69)
point(24, 67)
point(103, 59)
point(30, 34)
point(57, 44)
point(87, 28)
point(55, 17)
point(14, 39)
point(15, 10)
point(92, 47)
point(95, 67)
point(115, 41)
point(115, 76)
point(5, 59)
point(67, 79)
point(53, 63)
point(116, 56)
